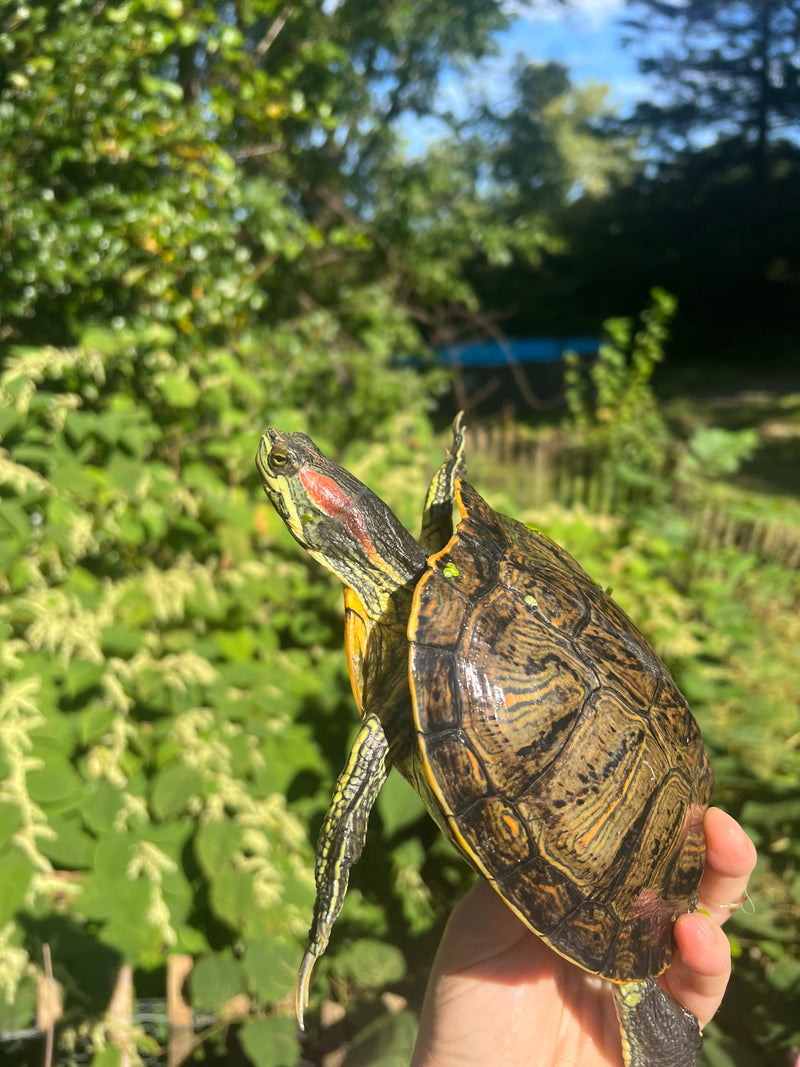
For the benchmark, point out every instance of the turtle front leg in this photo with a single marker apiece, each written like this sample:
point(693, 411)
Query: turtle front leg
point(341, 840)
point(656, 1030)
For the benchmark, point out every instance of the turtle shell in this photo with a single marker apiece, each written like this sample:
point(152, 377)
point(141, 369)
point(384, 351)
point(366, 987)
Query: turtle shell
point(563, 760)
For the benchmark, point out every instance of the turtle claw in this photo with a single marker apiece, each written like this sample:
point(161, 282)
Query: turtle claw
point(302, 987)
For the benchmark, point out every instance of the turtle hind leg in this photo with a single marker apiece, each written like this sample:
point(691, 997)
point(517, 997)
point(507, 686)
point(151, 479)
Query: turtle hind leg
point(341, 840)
point(437, 516)
point(656, 1030)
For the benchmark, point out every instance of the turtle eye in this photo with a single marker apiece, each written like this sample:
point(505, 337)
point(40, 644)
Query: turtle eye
point(278, 459)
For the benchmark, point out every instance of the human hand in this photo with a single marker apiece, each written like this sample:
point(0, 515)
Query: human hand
point(498, 995)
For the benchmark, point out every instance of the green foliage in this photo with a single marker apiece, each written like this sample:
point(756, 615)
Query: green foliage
point(612, 404)
point(384, 1043)
point(175, 708)
point(549, 146)
point(712, 451)
point(621, 374)
point(167, 678)
point(173, 203)
point(187, 185)
point(621, 429)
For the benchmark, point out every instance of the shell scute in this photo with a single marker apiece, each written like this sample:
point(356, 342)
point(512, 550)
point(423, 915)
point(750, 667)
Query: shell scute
point(455, 759)
point(438, 613)
point(592, 797)
point(475, 581)
point(610, 638)
point(681, 880)
point(672, 721)
point(644, 940)
point(537, 889)
point(438, 669)
point(589, 932)
point(561, 605)
point(493, 826)
point(521, 696)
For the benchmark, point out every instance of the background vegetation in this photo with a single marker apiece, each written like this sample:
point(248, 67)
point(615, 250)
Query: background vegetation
point(208, 222)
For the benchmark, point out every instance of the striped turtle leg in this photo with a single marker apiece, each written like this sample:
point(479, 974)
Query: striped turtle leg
point(437, 516)
point(656, 1030)
point(341, 840)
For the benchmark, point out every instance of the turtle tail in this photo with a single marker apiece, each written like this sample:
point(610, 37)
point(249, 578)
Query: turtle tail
point(656, 1030)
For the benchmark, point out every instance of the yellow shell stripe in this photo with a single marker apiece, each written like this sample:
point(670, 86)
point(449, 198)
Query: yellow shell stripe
point(341, 840)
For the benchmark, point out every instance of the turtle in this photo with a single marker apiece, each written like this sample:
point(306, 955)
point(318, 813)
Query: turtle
point(542, 732)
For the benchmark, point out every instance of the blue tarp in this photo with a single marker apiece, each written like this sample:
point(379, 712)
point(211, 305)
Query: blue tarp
point(516, 350)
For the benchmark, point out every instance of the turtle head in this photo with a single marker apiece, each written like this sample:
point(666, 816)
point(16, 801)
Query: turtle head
point(337, 519)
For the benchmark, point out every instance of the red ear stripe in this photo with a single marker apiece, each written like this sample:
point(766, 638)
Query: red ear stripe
point(335, 502)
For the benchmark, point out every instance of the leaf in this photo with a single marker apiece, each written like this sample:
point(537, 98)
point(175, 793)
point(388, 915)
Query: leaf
point(179, 392)
point(215, 844)
point(371, 964)
point(237, 646)
point(56, 785)
point(21, 1012)
point(121, 640)
point(15, 522)
point(72, 847)
point(110, 1056)
point(101, 807)
point(10, 822)
point(271, 968)
point(172, 789)
point(112, 855)
point(232, 896)
point(386, 1042)
point(271, 1042)
point(95, 722)
point(16, 870)
point(216, 979)
point(82, 675)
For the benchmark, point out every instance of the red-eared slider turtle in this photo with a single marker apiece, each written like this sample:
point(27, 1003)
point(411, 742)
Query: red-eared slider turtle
point(542, 732)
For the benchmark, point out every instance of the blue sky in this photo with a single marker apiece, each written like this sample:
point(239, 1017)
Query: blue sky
point(583, 36)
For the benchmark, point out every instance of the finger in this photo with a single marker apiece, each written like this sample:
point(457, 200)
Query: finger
point(701, 966)
point(730, 857)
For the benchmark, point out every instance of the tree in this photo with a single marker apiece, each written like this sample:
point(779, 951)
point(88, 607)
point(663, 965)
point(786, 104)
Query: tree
point(705, 204)
point(180, 176)
point(553, 147)
point(724, 70)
